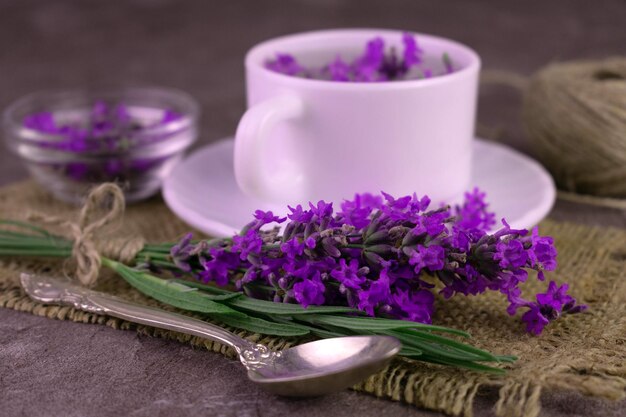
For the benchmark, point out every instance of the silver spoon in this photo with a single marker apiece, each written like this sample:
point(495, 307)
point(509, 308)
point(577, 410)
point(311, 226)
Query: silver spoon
point(311, 369)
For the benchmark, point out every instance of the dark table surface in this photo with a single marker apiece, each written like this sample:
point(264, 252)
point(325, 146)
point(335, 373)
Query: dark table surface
point(51, 368)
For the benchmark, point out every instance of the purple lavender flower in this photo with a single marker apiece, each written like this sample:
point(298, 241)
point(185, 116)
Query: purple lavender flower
point(350, 274)
point(415, 306)
point(433, 224)
point(309, 291)
point(549, 306)
point(407, 208)
point(555, 297)
point(535, 321)
point(218, 266)
point(298, 214)
point(474, 213)
point(42, 122)
point(511, 254)
point(366, 67)
point(356, 212)
point(431, 258)
point(293, 248)
point(412, 52)
point(267, 217)
point(372, 255)
point(378, 293)
point(340, 70)
point(374, 52)
point(322, 209)
point(395, 68)
point(248, 244)
point(170, 116)
point(181, 253)
point(285, 64)
point(543, 253)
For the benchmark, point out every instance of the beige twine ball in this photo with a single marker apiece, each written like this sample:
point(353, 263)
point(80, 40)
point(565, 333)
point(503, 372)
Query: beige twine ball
point(575, 115)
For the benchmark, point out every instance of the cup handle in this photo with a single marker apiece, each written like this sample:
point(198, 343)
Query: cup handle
point(252, 146)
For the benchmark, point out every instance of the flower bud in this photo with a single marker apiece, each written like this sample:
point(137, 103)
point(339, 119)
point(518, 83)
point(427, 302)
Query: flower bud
point(380, 249)
point(411, 238)
point(330, 249)
point(377, 237)
point(283, 283)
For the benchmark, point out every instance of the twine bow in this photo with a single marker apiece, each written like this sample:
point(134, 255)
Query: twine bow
point(104, 206)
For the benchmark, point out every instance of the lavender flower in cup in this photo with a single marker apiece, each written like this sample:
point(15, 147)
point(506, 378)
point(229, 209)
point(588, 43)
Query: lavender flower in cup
point(385, 256)
point(375, 64)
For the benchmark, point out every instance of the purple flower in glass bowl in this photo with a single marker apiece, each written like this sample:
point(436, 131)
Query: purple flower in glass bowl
point(73, 140)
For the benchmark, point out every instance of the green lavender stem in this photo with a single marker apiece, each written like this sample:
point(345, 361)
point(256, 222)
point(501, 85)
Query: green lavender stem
point(420, 341)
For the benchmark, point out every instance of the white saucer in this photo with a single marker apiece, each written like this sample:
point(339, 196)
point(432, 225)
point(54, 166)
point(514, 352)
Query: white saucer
point(203, 192)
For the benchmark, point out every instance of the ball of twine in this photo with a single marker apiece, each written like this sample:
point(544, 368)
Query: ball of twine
point(575, 115)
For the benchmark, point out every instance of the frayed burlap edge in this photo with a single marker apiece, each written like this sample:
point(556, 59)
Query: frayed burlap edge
point(584, 353)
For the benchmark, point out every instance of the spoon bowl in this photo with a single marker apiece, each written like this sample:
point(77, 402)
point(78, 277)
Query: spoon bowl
point(325, 366)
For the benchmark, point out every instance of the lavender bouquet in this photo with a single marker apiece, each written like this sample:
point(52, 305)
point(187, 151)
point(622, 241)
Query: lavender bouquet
point(375, 64)
point(373, 267)
point(383, 256)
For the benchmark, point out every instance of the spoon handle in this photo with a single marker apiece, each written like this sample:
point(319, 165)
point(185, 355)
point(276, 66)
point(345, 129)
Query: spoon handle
point(56, 291)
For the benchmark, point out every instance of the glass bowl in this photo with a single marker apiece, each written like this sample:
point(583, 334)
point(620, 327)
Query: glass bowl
point(73, 140)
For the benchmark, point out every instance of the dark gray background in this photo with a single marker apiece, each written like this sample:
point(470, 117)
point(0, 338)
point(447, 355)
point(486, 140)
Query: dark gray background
point(61, 368)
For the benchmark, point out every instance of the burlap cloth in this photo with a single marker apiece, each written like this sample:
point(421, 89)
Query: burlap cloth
point(584, 353)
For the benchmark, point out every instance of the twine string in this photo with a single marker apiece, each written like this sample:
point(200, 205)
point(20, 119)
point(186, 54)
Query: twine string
point(103, 207)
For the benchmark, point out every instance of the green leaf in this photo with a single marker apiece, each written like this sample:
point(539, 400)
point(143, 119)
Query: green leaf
point(269, 307)
point(257, 325)
point(479, 367)
point(160, 290)
point(450, 343)
point(29, 226)
point(507, 358)
point(34, 244)
point(433, 350)
point(324, 332)
point(411, 352)
point(439, 350)
point(204, 287)
point(54, 253)
point(214, 297)
point(377, 324)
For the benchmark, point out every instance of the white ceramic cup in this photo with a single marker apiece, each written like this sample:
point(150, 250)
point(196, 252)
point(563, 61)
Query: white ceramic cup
point(306, 139)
